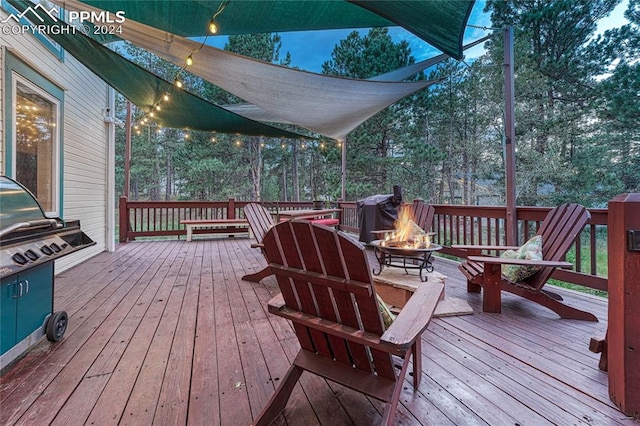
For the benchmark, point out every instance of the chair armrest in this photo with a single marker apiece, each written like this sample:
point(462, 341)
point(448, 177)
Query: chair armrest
point(257, 245)
point(414, 317)
point(481, 248)
point(379, 234)
point(525, 262)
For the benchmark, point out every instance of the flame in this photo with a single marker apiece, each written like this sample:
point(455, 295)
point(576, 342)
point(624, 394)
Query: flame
point(407, 233)
point(404, 225)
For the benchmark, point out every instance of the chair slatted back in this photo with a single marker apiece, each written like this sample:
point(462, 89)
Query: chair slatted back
point(422, 214)
point(325, 274)
point(559, 229)
point(259, 218)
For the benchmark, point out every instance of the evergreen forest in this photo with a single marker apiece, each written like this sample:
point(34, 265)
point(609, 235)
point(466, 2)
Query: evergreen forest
point(577, 121)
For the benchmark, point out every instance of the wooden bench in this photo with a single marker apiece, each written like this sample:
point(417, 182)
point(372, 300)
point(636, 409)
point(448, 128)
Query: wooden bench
point(192, 224)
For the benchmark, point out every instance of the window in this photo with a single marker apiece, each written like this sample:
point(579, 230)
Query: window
point(33, 117)
point(36, 142)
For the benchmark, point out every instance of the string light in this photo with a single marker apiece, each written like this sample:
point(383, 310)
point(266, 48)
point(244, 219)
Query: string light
point(166, 96)
point(157, 107)
point(189, 60)
point(178, 84)
point(213, 28)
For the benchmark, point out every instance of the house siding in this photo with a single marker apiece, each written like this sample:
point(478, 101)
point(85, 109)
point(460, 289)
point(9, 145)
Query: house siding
point(84, 158)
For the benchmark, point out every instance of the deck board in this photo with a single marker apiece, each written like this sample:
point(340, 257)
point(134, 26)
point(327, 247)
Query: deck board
point(166, 332)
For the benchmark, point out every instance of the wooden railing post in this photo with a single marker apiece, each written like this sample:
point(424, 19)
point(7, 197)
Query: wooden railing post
point(123, 219)
point(623, 336)
point(231, 209)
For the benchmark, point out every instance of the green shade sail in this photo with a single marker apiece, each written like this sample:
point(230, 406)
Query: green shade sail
point(441, 23)
point(145, 89)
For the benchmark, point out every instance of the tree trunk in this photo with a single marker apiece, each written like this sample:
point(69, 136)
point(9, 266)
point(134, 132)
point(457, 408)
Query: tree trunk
point(284, 182)
point(167, 188)
point(294, 173)
point(256, 167)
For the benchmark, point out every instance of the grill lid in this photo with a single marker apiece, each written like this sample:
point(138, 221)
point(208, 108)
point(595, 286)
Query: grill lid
point(27, 236)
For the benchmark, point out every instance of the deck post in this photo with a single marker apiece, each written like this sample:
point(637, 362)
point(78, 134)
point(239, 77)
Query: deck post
point(231, 209)
point(123, 219)
point(511, 221)
point(623, 336)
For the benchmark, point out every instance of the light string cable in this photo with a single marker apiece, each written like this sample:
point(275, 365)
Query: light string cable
point(188, 62)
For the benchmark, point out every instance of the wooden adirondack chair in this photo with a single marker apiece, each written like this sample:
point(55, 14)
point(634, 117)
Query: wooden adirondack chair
point(423, 214)
point(327, 293)
point(559, 230)
point(260, 221)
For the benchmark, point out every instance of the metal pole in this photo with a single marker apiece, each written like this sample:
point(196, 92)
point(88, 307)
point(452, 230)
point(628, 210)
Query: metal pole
point(343, 146)
point(511, 223)
point(127, 151)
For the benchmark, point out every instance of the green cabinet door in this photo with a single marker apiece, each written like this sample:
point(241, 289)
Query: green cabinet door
point(25, 301)
point(37, 299)
point(8, 312)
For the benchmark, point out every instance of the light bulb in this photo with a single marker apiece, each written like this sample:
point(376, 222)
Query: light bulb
point(178, 83)
point(213, 28)
point(166, 97)
point(157, 107)
point(189, 60)
point(186, 136)
point(151, 114)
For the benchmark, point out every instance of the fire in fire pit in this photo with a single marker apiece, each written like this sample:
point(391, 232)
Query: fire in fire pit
point(406, 233)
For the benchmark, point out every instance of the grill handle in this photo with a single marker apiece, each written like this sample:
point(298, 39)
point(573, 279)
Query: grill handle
point(43, 223)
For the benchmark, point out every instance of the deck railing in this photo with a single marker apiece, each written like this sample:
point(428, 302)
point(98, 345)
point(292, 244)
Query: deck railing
point(453, 225)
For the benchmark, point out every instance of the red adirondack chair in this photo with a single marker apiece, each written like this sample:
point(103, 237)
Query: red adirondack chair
point(559, 230)
point(327, 293)
point(260, 221)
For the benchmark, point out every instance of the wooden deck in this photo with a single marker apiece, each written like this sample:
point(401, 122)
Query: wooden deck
point(166, 332)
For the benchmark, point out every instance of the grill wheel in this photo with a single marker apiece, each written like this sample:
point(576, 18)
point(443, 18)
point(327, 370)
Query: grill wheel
point(56, 326)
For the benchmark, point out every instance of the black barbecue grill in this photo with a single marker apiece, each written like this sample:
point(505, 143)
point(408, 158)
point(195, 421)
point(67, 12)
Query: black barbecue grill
point(30, 241)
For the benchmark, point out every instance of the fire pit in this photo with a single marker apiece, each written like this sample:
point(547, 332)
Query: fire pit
point(404, 256)
point(407, 246)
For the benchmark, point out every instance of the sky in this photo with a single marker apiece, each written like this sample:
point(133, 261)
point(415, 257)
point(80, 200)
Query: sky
point(309, 49)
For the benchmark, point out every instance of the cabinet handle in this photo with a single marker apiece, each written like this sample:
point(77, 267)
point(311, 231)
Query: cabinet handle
point(20, 283)
point(26, 282)
point(15, 290)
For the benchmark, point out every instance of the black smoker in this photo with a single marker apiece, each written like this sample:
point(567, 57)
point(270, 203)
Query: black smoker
point(378, 212)
point(29, 243)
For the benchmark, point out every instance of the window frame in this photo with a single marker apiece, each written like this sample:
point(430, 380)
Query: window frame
point(16, 71)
